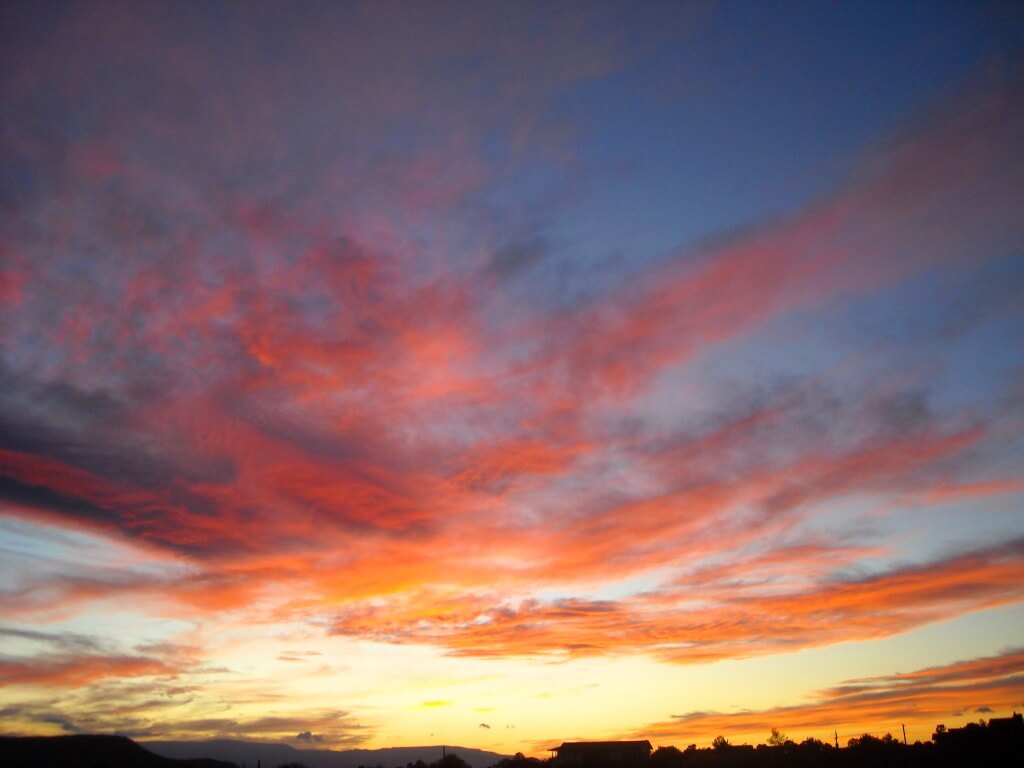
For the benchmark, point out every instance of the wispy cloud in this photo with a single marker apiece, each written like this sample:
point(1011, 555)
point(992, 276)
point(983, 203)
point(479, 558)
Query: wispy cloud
point(743, 612)
point(335, 400)
point(923, 698)
point(68, 659)
point(300, 359)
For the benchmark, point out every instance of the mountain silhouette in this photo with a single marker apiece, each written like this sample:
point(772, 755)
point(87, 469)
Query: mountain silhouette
point(89, 752)
point(271, 754)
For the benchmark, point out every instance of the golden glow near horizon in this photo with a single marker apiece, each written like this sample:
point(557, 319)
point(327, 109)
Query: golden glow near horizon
point(291, 672)
point(377, 375)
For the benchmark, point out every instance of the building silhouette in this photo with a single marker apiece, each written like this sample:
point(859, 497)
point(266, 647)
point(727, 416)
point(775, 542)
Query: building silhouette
point(602, 754)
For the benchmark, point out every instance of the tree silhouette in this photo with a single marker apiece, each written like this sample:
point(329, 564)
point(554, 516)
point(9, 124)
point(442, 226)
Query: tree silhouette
point(519, 760)
point(666, 757)
point(811, 744)
point(721, 742)
point(450, 761)
point(777, 739)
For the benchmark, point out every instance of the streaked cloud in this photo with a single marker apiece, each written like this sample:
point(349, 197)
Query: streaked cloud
point(305, 332)
point(924, 697)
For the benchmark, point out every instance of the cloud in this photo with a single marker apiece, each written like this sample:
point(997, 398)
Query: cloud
point(746, 618)
point(333, 728)
point(298, 655)
point(314, 410)
point(69, 642)
point(75, 671)
point(68, 659)
point(157, 710)
point(516, 256)
point(867, 704)
point(64, 724)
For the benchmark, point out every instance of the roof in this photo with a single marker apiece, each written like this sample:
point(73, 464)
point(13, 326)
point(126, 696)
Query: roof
point(1000, 722)
point(596, 746)
point(1016, 716)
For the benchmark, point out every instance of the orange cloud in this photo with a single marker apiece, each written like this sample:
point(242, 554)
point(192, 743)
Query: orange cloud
point(738, 618)
point(921, 699)
point(316, 427)
point(73, 672)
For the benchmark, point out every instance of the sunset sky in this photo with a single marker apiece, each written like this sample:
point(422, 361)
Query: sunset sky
point(503, 374)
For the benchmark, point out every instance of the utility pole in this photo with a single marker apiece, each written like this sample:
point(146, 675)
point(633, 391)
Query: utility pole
point(837, 738)
point(904, 727)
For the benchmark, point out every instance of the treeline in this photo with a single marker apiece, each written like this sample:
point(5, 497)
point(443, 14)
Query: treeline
point(973, 745)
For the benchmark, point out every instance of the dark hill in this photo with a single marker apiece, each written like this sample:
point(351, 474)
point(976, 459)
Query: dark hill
point(271, 754)
point(88, 752)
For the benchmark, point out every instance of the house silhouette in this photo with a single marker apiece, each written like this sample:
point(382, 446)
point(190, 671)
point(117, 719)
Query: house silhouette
point(602, 754)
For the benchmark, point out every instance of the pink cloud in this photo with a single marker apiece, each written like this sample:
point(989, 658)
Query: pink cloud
point(238, 380)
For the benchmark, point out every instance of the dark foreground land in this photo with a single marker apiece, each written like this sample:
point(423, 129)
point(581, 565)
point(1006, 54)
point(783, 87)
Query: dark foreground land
point(121, 752)
point(271, 755)
point(876, 753)
point(974, 746)
point(87, 752)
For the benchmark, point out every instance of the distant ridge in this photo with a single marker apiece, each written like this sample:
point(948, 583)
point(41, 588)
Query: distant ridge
point(270, 754)
point(88, 752)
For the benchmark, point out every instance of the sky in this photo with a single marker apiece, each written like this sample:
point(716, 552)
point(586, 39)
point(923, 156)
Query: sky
point(505, 374)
